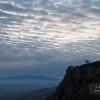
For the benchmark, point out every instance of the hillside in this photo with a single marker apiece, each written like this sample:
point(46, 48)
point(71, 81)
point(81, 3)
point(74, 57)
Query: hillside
point(35, 95)
point(79, 83)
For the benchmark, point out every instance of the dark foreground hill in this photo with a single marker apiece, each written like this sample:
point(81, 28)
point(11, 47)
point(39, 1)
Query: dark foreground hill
point(35, 95)
point(79, 83)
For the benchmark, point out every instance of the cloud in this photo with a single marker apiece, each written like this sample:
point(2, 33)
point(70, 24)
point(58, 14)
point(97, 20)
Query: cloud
point(18, 64)
point(48, 31)
point(93, 11)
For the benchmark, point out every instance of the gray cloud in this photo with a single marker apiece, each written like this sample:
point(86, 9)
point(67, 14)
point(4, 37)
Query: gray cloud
point(96, 3)
point(95, 11)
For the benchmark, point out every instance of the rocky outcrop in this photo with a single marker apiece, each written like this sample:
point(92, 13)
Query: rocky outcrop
point(76, 82)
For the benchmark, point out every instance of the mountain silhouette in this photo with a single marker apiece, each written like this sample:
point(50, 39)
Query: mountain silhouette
point(32, 77)
point(79, 83)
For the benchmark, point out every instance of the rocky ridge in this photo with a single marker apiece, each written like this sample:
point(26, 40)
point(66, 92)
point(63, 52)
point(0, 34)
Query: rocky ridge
point(76, 82)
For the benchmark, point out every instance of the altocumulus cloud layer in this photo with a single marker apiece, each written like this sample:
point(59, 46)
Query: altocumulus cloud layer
point(35, 32)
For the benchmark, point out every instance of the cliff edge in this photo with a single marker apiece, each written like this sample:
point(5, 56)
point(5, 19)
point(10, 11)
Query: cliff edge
point(76, 83)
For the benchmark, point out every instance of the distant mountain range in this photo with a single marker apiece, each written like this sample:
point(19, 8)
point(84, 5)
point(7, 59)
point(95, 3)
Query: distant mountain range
point(30, 77)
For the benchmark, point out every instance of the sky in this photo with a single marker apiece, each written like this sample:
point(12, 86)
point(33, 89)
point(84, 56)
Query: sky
point(44, 37)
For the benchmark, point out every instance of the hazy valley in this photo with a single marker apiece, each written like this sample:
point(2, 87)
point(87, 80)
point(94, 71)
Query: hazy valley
point(18, 85)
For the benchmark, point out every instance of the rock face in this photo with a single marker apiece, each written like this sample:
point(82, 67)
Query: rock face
point(76, 82)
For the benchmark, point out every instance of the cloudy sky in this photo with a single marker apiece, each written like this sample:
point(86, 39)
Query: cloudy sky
point(46, 36)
